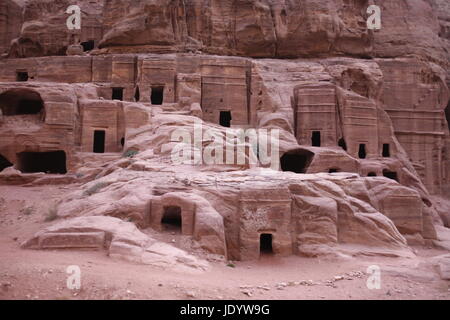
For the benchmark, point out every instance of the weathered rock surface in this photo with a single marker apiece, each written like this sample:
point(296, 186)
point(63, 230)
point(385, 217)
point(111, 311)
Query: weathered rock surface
point(256, 28)
point(120, 239)
point(357, 120)
point(10, 23)
point(301, 212)
point(443, 265)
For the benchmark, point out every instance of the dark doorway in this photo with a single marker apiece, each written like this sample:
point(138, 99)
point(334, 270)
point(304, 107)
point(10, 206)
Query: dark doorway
point(342, 144)
point(117, 94)
point(315, 139)
point(4, 163)
point(157, 96)
point(21, 76)
point(371, 174)
point(390, 174)
point(265, 244)
point(386, 150)
point(333, 170)
point(362, 151)
point(171, 219)
point(225, 119)
point(99, 141)
point(137, 94)
point(122, 142)
point(88, 45)
point(296, 161)
point(47, 162)
point(21, 102)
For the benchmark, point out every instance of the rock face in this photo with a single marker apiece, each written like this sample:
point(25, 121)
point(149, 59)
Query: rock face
point(255, 28)
point(10, 23)
point(121, 240)
point(347, 136)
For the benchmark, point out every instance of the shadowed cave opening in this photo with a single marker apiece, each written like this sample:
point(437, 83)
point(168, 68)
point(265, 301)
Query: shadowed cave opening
point(362, 151)
point(137, 94)
point(4, 163)
point(171, 219)
point(371, 174)
point(386, 150)
point(117, 94)
point(22, 76)
point(99, 141)
point(21, 102)
point(88, 45)
point(342, 144)
point(225, 119)
point(47, 162)
point(157, 96)
point(296, 161)
point(265, 244)
point(390, 174)
point(316, 139)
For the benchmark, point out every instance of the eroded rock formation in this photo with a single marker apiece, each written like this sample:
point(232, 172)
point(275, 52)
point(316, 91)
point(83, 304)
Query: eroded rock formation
point(362, 118)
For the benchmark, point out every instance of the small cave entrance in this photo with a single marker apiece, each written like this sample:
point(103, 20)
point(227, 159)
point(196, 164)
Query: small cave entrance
point(316, 139)
point(362, 154)
point(137, 95)
point(157, 96)
point(22, 76)
point(390, 174)
point(386, 150)
point(342, 144)
point(296, 161)
point(225, 119)
point(333, 170)
point(266, 244)
point(117, 94)
point(4, 163)
point(99, 141)
point(53, 162)
point(88, 45)
point(21, 102)
point(171, 220)
point(371, 174)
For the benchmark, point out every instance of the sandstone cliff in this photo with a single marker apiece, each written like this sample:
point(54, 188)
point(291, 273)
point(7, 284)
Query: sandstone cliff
point(363, 119)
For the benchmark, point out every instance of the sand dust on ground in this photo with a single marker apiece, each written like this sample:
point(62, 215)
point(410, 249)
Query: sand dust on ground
point(30, 274)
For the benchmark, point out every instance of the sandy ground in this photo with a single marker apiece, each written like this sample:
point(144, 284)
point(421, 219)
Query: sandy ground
point(28, 274)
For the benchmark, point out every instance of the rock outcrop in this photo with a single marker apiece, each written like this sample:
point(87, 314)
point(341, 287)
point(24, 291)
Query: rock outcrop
point(121, 240)
point(254, 28)
point(165, 114)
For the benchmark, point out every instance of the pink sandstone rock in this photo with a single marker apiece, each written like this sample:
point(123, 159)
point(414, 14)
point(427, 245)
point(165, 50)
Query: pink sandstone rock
point(362, 119)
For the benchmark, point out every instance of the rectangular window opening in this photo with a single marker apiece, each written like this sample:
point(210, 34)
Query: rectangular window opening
point(22, 76)
point(99, 141)
point(386, 150)
point(362, 151)
point(157, 96)
point(117, 94)
point(225, 119)
point(316, 139)
point(266, 245)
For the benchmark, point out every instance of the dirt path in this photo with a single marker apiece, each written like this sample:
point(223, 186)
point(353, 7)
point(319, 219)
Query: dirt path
point(28, 274)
